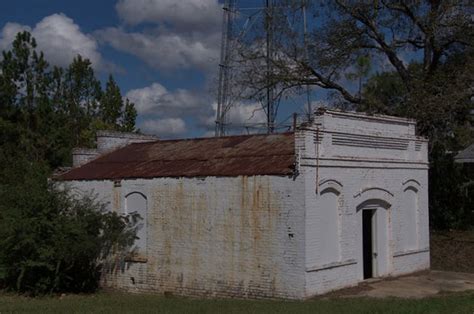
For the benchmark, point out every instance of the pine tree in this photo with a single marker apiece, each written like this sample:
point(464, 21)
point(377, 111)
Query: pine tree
point(81, 93)
point(46, 111)
point(111, 103)
point(129, 115)
point(24, 82)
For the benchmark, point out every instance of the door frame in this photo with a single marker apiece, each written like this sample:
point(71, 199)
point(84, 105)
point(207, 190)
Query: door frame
point(370, 244)
point(381, 237)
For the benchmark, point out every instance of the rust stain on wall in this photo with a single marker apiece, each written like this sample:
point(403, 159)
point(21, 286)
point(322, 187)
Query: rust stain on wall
point(243, 225)
point(203, 242)
point(117, 200)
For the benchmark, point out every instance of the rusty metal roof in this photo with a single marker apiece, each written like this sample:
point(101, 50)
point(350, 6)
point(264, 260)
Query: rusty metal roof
point(224, 156)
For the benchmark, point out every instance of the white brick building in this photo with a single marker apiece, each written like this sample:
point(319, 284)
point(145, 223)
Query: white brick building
point(290, 215)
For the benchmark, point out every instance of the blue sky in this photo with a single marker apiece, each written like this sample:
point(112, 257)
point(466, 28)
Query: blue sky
point(164, 54)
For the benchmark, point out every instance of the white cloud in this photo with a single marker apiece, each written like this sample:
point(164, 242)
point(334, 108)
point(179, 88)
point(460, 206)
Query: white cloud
point(183, 14)
point(164, 127)
point(59, 38)
point(165, 111)
point(165, 50)
point(9, 32)
point(247, 114)
point(156, 99)
point(172, 34)
point(241, 114)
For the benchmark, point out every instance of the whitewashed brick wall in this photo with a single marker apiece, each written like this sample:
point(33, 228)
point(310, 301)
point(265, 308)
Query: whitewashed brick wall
point(110, 140)
point(259, 236)
point(363, 158)
point(215, 236)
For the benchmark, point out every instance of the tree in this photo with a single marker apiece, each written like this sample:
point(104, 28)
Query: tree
point(345, 30)
point(114, 112)
point(128, 118)
point(384, 93)
point(442, 105)
point(53, 109)
point(81, 94)
point(23, 76)
point(82, 88)
point(426, 48)
point(24, 101)
point(362, 71)
point(49, 240)
point(111, 103)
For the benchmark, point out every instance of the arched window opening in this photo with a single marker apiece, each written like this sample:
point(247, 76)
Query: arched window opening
point(328, 226)
point(409, 220)
point(136, 203)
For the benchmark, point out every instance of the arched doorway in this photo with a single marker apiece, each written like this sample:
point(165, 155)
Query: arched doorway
point(374, 237)
point(368, 244)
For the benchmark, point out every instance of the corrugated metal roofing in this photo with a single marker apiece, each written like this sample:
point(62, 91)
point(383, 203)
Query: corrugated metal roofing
point(224, 156)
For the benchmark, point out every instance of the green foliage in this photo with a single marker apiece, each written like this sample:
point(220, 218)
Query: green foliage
point(451, 192)
point(79, 102)
point(429, 48)
point(111, 102)
point(128, 118)
point(49, 240)
point(115, 113)
point(56, 109)
point(384, 93)
point(362, 69)
point(441, 102)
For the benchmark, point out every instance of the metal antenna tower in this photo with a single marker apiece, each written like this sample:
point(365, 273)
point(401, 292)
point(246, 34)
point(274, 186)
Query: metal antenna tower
point(270, 101)
point(234, 29)
point(223, 97)
point(305, 39)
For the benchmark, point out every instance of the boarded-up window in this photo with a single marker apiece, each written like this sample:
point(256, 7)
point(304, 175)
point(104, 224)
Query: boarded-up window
point(328, 226)
point(409, 220)
point(136, 202)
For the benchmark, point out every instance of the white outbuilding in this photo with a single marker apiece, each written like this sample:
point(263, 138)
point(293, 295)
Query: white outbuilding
point(341, 199)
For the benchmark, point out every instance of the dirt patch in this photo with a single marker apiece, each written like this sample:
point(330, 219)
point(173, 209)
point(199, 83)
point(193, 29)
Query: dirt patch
point(363, 288)
point(452, 250)
point(414, 286)
point(360, 289)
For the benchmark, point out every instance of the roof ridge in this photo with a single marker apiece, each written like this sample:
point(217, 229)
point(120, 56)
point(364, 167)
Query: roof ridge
point(198, 159)
point(212, 138)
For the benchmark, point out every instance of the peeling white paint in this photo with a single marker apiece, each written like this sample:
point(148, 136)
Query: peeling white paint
point(261, 236)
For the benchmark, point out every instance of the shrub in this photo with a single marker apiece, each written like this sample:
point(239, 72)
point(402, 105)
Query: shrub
point(51, 241)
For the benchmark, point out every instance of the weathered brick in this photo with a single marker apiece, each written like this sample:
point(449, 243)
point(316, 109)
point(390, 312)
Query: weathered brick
point(261, 236)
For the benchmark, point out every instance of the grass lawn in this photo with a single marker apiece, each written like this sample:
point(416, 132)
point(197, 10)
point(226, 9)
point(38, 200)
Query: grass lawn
point(453, 251)
point(127, 303)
